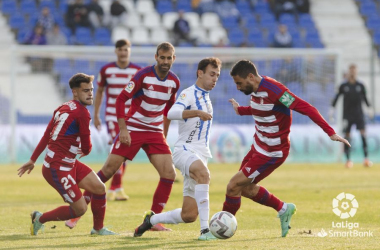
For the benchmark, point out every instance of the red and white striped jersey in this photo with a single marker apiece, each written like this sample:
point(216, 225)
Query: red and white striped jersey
point(115, 79)
point(67, 130)
point(271, 109)
point(151, 100)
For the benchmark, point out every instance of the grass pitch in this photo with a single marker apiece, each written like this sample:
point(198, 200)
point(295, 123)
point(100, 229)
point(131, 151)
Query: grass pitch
point(311, 187)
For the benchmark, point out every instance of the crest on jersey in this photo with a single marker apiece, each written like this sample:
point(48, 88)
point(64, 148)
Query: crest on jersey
point(130, 86)
point(182, 96)
point(287, 99)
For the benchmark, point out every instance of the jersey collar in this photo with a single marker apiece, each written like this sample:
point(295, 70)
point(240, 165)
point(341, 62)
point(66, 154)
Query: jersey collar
point(200, 89)
point(155, 73)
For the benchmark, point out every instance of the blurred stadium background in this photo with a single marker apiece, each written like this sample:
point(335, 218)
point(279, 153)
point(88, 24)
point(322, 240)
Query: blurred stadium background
point(326, 39)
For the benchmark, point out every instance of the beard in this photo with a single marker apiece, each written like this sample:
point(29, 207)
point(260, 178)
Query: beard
point(163, 67)
point(248, 90)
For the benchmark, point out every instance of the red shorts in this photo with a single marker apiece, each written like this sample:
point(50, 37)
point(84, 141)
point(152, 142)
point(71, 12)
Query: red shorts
point(258, 166)
point(150, 142)
point(65, 180)
point(113, 129)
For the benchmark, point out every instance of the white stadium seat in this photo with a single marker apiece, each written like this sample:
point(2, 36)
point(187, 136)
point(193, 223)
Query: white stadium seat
point(133, 20)
point(168, 19)
point(159, 35)
point(193, 19)
point(210, 20)
point(152, 20)
point(120, 33)
point(145, 6)
point(215, 34)
point(140, 35)
point(200, 34)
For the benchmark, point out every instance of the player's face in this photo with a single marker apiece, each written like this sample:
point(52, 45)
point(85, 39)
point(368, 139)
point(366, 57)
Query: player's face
point(209, 77)
point(244, 85)
point(123, 53)
point(164, 60)
point(352, 72)
point(84, 94)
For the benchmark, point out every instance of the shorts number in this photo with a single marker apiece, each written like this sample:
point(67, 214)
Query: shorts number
point(61, 120)
point(65, 182)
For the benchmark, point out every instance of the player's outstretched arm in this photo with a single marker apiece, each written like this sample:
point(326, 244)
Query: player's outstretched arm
point(336, 137)
point(235, 105)
point(27, 167)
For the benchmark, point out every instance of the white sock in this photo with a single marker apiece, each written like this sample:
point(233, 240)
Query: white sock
point(202, 199)
point(170, 217)
point(283, 209)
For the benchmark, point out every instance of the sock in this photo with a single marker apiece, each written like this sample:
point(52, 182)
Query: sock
point(170, 217)
point(161, 196)
point(59, 214)
point(87, 194)
point(116, 182)
point(347, 149)
point(202, 199)
point(283, 209)
point(267, 199)
point(365, 150)
point(232, 204)
point(98, 208)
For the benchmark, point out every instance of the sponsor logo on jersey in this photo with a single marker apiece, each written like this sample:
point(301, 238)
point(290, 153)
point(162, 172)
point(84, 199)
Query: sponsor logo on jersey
point(183, 96)
point(287, 99)
point(130, 86)
point(248, 169)
point(192, 133)
point(151, 87)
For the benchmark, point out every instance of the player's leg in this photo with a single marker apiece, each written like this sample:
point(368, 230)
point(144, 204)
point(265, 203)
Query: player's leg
point(347, 124)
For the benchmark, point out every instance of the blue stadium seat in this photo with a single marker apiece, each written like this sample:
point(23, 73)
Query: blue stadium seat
point(82, 65)
point(17, 21)
point(184, 6)
point(8, 7)
point(236, 37)
point(305, 18)
point(102, 36)
point(164, 6)
point(21, 34)
point(62, 6)
point(49, 3)
point(376, 38)
point(287, 18)
point(262, 7)
point(250, 21)
point(230, 22)
point(28, 7)
point(61, 65)
point(83, 36)
point(315, 43)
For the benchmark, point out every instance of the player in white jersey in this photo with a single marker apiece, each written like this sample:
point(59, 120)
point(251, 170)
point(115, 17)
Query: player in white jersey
point(193, 110)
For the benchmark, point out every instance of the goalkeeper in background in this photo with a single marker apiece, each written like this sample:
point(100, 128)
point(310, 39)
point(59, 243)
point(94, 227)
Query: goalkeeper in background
point(354, 93)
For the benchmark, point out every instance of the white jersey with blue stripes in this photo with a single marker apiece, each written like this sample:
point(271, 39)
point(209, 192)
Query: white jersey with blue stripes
point(194, 134)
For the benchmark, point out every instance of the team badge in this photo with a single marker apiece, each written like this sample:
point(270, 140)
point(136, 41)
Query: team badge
point(287, 99)
point(183, 96)
point(130, 86)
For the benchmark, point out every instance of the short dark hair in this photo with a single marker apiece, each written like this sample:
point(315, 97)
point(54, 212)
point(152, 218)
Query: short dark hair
point(213, 61)
point(242, 68)
point(165, 46)
point(78, 78)
point(122, 42)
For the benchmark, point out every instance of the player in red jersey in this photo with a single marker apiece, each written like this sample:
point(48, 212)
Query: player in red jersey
point(112, 79)
point(153, 91)
point(271, 105)
point(67, 135)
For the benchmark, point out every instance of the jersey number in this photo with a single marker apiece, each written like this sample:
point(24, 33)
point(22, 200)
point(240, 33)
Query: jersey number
point(65, 182)
point(61, 120)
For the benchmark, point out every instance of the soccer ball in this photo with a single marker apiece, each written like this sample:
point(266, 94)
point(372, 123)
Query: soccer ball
point(223, 225)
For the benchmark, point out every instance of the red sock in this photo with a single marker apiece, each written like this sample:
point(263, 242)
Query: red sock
point(116, 182)
point(161, 196)
point(267, 199)
point(232, 204)
point(87, 194)
point(59, 214)
point(98, 208)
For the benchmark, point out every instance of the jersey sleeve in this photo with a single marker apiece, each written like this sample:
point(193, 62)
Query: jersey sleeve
point(44, 140)
point(184, 101)
point(127, 93)
point(364, 93)
point(102, 80)
point(284, 96)
point(84, 133)
point(245, 110)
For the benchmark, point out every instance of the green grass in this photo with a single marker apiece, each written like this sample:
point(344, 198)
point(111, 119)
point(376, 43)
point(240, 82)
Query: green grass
point(310, 186)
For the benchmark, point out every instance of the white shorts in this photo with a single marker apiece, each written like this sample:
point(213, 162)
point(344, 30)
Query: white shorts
point(182, 160)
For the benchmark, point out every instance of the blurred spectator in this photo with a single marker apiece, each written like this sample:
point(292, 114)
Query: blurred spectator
point(46, 20)
point(77, 15)
point(118, 13)
point(55, 36)
point(303, 6)
point(282, 38)
point(285, 6)
point(95, 14)
point(221, 44)
point(226, 8)
point(182, 30)
point(36, 37)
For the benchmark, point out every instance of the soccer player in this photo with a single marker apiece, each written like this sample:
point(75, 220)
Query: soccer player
point(113, 77)
point(67, 135)
point(270, 105)
point(152, 90)
point(354, 94)
point(193, 110)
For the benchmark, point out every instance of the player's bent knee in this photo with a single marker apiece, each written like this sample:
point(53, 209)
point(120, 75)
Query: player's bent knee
point(203, 177)
point(80, 210)
point(100, 188)
point(189, 217)
point(232, 188)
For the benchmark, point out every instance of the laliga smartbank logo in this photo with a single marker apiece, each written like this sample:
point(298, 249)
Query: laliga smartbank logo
point(345, 206)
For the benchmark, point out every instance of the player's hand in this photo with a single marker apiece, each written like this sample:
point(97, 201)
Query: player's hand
point(337, 137)
point(27, 167)
point(97, 123)
point(204, 116)
point(124, 137)
point(235, 105)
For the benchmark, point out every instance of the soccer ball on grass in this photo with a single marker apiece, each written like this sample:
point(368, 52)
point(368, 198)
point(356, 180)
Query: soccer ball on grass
point(223, 225)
